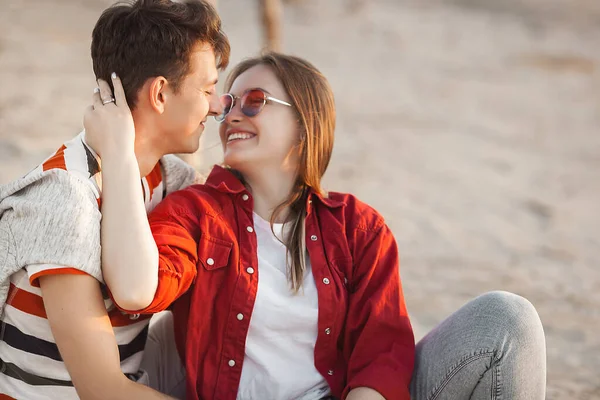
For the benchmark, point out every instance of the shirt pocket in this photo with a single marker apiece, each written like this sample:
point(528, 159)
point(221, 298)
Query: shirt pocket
point(213, 253)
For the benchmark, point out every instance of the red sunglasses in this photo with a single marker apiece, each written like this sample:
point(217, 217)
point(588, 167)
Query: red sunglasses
point(252, 102)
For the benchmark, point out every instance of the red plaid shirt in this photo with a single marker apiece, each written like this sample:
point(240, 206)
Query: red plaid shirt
point(208, 274)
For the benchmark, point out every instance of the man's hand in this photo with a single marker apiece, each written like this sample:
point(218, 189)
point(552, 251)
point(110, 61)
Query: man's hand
point(108, 123)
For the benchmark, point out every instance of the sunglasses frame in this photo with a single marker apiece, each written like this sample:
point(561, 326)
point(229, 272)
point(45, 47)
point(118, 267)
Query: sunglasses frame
point(266, 98)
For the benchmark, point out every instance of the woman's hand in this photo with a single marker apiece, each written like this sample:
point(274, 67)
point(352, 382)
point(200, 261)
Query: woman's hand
point(108, 123)
point(129, 253)
point(364, 393)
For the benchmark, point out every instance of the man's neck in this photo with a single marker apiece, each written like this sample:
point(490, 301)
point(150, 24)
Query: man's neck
point(147, 156)
point(147, 151)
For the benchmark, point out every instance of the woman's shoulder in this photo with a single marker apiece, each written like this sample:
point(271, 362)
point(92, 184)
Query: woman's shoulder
point(356, 212)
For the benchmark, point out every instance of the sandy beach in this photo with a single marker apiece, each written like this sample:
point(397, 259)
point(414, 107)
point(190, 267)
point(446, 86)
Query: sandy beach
point(472, 126)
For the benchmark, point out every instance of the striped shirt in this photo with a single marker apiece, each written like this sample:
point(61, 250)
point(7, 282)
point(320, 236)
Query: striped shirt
point(30, 363)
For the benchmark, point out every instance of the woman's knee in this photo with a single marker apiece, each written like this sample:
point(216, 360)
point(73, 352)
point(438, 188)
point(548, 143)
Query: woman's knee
point(517, 313)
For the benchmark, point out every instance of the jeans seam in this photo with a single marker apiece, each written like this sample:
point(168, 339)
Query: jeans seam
point(453, 371)
point(496, 377)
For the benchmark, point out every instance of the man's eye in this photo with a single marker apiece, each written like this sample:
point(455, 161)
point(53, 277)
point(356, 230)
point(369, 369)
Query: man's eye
point(209, 92)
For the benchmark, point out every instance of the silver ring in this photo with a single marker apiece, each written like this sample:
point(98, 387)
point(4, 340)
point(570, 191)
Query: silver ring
point(112, 100)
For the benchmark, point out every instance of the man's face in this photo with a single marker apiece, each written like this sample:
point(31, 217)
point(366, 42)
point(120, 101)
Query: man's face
point(187, 110)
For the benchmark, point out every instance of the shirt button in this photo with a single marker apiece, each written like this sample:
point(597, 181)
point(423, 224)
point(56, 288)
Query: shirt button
point(134, 316)
point(240, 317)
point(327, 331)
point(250, 270)
point(245, 197)
point(210, 261)
point(231, 363)
point(250, 229)
point(326, 281)
point(313, 238)
point(330, 372)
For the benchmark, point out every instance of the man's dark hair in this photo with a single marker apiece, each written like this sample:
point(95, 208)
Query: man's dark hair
point(149, 38)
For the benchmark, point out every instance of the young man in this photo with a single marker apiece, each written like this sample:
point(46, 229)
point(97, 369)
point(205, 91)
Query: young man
point(61, 336)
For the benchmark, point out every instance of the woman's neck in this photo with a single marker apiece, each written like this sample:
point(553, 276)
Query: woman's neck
point(269, 189)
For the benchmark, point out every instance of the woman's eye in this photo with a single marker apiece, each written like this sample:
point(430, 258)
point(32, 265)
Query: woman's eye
point(209, 92)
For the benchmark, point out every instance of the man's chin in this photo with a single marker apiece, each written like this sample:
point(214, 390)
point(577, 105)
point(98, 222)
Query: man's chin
point(190, 148)
point(186, 153)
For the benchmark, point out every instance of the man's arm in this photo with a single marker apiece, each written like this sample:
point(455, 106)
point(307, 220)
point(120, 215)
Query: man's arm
point(85, 339)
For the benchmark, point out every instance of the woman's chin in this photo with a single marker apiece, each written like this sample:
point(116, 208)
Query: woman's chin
point(236, 162)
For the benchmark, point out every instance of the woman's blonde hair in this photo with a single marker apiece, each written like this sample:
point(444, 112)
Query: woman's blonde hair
point(312, 98)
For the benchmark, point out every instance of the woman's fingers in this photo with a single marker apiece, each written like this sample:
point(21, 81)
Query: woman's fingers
point(119, 91)
point(105, 92)
point(96, 100)
point(88, 115)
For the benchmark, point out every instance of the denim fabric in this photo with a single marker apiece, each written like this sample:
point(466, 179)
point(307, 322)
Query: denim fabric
point(492, 348)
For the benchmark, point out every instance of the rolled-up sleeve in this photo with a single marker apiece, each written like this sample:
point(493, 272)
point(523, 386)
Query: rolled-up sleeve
point(174, 225)
point(379, 335)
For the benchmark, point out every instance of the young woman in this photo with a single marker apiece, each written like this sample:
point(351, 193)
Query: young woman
point(279, 289)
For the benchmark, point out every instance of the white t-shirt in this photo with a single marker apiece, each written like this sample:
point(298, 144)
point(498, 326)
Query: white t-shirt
point(279, 358)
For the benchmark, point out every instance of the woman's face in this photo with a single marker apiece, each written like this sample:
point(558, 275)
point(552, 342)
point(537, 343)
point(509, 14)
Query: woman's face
point(268, 140)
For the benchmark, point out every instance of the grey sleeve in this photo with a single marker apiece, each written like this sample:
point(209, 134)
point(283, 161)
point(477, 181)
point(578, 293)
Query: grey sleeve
point(54, 220)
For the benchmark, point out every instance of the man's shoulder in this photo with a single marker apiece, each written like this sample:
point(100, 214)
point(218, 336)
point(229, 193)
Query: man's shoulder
point(74, 157)
point(72, 168)
point(53, 185)
point(179, 174)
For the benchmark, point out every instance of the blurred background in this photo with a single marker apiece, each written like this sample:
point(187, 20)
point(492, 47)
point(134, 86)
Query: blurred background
point(473, 126)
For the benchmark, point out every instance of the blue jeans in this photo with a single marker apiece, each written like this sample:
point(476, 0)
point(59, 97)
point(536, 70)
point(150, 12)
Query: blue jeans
point(491, 348)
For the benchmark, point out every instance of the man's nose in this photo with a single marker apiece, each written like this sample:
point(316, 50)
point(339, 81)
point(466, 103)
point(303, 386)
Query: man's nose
point(215, 106)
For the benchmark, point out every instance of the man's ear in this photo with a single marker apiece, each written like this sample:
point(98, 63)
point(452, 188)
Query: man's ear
point(158, 93)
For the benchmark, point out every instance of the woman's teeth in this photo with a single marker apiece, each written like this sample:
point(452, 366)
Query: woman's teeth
point(239, 135)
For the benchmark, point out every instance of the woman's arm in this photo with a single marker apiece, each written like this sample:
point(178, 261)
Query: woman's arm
point(379, 336)
point(363, 393)
point(145, 269)
point(129, 254)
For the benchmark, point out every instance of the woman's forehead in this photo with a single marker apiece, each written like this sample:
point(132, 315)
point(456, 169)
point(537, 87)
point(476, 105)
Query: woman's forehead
point(259, 76)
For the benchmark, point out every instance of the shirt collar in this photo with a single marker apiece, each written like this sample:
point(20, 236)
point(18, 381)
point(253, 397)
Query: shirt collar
point(324, 199)
point(223, 180)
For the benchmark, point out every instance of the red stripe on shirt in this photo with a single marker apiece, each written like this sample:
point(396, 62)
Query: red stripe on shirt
point(27, 302)
point(57, 161)
point(154, 178)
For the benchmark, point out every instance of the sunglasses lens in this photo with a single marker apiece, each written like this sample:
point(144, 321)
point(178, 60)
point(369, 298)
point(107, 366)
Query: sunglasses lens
point(253, 102)
point(226, 103)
